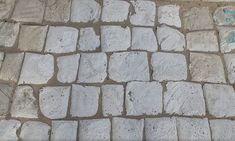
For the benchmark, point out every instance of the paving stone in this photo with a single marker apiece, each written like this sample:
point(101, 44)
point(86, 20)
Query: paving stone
point(9, 129)
point(112, 100)
point(84, 101)
point(35, 131)
point(127, 129)
point(29, 11)
point(1, 58)
point(170, 39)
point(88, 40)
point(225, 15)
point(57, 10)
point(205, 41)
point(160, 129)
point(61, 39)
point(11, 66)
point(169, 66)
point(37, 73)
point(230, 66)
point(129, 66)
point(115, 38)
point(95, 129)
point(35, 41)
point(5, 98)
point(53, 101)
point(219, 99)
point(24, 103)
point(197, 18)
point(184, 98)
point(144, 39)
point(92, 68)
point(84, 11)
point(68, 68)
point(115, 11)
point(143, 98)
point(227, 39)
point(9, 33)
point(206, 68)
point(6, 8)
point(144, 13)
point(169, 14)
point(64, 130)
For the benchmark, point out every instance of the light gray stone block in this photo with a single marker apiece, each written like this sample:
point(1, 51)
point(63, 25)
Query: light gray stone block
point(9, 33)
point(9, 129)
point(170, 15)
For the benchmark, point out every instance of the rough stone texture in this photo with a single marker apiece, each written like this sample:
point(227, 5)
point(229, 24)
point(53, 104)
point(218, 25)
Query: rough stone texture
point(9, 33)
point(88, 40)
point(184, 98)
point(6, 8)
point(92, 68)
point(143, 98)
point(206, 68)
point(127, 129)
point(144, 39)
point(37, 73)
point(112, 100)
point(230, 66)
point(84, 101)
point(61, 39)
point(169, 66)
point(53, 101)
point(1, 58)
point(225, 15)
point(227, 39)
point(8, 130)
point(128, 66)
point(5, 97)
point(95, 129)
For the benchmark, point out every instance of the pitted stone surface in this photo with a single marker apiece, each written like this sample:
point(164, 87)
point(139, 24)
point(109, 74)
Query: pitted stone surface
point(9, 33)
point(230, 66)
point(227, 39)
point(225, 15)
point(5, 97)
point(88, 39)
point(6, 7)
point(9, 129)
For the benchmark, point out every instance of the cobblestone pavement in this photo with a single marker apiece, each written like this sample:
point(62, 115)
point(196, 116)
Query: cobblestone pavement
point(120, 70)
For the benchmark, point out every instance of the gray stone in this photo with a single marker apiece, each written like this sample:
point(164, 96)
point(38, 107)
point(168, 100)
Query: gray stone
point(1, 58)
point(9, 33)
point(230, 65)
point(5, 98)
point(227, 39)
point(9, 129)
point(225, 15)
point(88, 40)
point(6, 8)
point(170, 15)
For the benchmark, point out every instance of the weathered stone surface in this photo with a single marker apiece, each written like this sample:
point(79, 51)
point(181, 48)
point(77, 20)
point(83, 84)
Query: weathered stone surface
point(88, 40)
point(127, 129)
point(84, 101)
point(24, 103)
point(230, 65)
point(61, 39)
point(144, 39)
point(6, 8)
point(112, 100)
point(8, 130)
point(92, 68)
point(1, 58)
point(206, 68)
point(53, 101)
point(129, 66)
point(143, 98)
point(225, 15)
point(68, 68)
point(95, 129)
point(227, 39)
point(37, 73)
point(5, 97)
point(9, 33)
point(184, 98)
point(115, 38)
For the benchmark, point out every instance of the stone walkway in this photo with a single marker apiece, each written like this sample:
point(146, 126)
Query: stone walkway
point(120, 70)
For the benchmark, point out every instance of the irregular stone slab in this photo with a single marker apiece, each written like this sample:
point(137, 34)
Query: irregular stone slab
point(64, 130)
point(230, 65)
point(143, 98)
point(115, 11)
point(205, 41)
point(88, 39)
point(53, 101)
point(112, 100)
point(1, 58)
point(144, 13)
point(206, 68)
point(169, 66)
point(68, 68)
point(225, 15)
point(124, 129)
point(5, 98)
point(128, 66)
point(84, 11)
point(35, 130)
point(115, 38)
point(95, 129)
point(227, 39)
point(170, 39)
point(84, 101)
point(61, 39)
point(169, 14)
point(160, 129)
point(57, 10)
point(6, 8)
point(9, 33)
point(24, 103)
point(184, 98)
point(37, 73)
point(35, 41)
point(11, 66)
point(219, 99)
point(144, 39)
point(9, 129)
point(29, 11)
